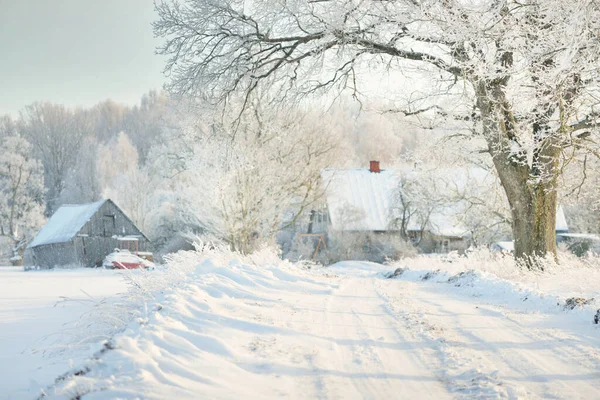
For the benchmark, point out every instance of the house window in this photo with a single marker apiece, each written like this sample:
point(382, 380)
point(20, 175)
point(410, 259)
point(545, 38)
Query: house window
point(445, 245)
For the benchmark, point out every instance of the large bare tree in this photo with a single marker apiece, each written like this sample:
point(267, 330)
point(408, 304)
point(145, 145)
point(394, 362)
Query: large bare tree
point(56, 134)
point(522, 73)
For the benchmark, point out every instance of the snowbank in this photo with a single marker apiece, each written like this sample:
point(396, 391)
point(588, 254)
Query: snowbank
point(496, 278)
point(177, 338)
point(215, 324)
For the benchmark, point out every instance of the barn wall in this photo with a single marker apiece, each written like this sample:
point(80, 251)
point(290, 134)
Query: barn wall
point(108, 221)
point(102, 230)
point(95, 241)
point(53, 255)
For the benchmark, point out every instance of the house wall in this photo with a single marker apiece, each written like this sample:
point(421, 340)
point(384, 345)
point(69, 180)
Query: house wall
point(440, 244)
point(368, 246)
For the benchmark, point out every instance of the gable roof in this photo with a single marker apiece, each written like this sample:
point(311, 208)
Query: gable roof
point(65, 223)
point(561, 221)
point(359, 200)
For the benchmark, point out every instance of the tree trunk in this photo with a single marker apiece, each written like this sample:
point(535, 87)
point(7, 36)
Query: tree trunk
point(534, 227)
point(530, 190)
point(533, 215)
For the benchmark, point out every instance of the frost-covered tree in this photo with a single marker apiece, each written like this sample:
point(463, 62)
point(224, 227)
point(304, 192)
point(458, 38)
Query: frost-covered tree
point(21, 189)
point(415, 198)
point(83, 181)
point(144, 122)
point(132, 191)
point(117, 157)
point(523, 75)
point(243, 186)
point(56, 134)
point(8, 126)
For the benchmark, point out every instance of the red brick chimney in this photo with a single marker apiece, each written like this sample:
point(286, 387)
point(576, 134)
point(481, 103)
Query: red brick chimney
point(374, 166)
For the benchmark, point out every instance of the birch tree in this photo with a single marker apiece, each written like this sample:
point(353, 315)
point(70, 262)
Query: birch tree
point(523, 75)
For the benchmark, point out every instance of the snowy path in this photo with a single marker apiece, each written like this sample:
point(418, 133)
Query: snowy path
point(374, 355)
point(249, 332)
point(496, 351)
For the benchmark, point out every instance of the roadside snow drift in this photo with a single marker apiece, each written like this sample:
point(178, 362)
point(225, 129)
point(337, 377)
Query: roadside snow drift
point(221, 326)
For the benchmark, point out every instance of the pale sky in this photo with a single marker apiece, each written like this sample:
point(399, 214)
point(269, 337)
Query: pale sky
point(76, 52)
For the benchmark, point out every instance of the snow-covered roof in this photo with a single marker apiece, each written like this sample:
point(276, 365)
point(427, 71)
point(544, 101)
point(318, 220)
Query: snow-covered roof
point(505, 246)
point(65, 223)
point(359, 200)
point(561, 221)
point(584, 236)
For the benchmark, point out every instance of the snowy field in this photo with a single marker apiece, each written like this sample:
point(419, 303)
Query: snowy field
point(224, 327)
point(38, 310)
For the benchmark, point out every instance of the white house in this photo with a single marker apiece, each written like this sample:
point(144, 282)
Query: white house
point(363, 202)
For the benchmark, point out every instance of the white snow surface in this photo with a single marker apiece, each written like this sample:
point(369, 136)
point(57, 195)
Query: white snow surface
point(65, 223)
point(40, 337)
point(223, 326)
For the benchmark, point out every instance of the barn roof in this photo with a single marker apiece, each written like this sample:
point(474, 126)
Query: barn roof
point(65, 223)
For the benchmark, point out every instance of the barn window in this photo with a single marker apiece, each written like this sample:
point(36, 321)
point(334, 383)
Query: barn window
point(108, 220)
point(111, 216)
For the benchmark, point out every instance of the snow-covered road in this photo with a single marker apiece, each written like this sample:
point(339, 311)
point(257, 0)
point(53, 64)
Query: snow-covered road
point(373, 355)
point(264, 332)
point(491, 351)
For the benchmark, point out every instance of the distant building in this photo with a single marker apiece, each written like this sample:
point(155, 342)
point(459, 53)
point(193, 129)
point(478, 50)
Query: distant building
point(82, 235)
point(360, 202)
point(578, 243)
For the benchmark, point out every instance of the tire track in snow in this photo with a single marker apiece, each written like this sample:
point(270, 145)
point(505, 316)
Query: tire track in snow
point(456, 369)
point(381, 359)
point(488, 354)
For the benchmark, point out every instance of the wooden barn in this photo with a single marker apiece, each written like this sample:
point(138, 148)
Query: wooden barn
point(82, 235)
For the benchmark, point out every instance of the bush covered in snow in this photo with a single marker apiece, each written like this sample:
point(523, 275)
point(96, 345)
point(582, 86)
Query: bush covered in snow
point(368, 246)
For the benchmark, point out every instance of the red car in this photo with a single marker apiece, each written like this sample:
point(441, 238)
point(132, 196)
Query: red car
point(124, 259)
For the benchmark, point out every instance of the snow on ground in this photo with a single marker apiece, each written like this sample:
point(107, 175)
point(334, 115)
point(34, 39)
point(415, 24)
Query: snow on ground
point(226, 327)
point(35, 319)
